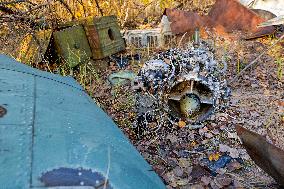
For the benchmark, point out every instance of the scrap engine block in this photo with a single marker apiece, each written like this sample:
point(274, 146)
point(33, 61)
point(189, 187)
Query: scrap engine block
point(181, 85)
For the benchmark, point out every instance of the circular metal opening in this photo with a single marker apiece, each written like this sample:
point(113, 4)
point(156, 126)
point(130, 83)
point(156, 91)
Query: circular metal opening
point(191, 100)
point(110, 34)
point(3, 111)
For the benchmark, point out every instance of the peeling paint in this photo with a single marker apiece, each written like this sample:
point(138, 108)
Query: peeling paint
point(74, 177)
point(3, 111)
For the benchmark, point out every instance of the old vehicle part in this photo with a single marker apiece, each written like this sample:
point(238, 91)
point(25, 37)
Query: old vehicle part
point(267, 156)
point(224, 17)
point(72, 45)
point(75, 177)
point(147, 38)
point(187, 84)
point(54, 136)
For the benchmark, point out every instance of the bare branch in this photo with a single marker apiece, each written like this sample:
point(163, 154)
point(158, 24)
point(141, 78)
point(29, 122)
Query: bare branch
point(255, 61)
point(37, 7)
point(68, 8)
point(98, 6)
point(16, 2)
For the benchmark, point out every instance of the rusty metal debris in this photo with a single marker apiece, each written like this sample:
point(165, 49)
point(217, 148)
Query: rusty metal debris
point(224, 17)
point(181, 84)
point(265, 155)
point(3, 111)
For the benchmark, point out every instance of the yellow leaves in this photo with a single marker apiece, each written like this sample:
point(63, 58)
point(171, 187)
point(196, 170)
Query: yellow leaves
point(214, 157)
point(78, 14)
point(193, 143)
point(181, 124)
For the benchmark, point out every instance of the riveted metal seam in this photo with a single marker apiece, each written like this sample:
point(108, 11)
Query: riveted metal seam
point(33, 129)
point(36, 75)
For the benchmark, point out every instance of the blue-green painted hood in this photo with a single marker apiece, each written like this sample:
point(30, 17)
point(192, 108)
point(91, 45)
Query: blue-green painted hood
point(53, 135)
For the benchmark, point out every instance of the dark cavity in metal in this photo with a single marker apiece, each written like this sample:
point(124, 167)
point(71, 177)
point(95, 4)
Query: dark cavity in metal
point(3, 111)
point(74, 177)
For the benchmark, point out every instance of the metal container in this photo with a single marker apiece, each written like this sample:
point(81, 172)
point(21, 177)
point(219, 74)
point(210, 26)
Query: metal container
point(104, 36)
point(72, 45)
point(148, 38)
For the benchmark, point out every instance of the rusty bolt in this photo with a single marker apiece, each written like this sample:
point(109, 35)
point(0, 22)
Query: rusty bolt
point(3, 111)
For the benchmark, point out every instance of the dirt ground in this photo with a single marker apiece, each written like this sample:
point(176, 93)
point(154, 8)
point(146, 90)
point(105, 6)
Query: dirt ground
point(211, 156)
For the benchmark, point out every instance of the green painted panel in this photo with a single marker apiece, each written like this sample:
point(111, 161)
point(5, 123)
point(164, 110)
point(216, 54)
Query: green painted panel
point(72, 45)
point(104, 36)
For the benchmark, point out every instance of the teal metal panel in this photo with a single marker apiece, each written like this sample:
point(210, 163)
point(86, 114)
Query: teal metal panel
point(53, 135)
point(16, 96)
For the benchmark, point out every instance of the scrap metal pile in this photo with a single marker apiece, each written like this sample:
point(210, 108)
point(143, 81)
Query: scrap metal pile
point(185, 85)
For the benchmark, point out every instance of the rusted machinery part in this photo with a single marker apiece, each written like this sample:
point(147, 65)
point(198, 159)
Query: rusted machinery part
point(192, 100)
point(267, 156)
point(186, 83)
point(225, 16)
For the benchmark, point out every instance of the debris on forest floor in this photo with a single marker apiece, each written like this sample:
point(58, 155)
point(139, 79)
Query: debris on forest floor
point(180, 85)
point(74, 42)
point(212, 155)
point(196, 156)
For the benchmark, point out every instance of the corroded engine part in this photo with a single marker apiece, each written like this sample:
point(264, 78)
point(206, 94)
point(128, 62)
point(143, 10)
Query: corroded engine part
point(187, 84)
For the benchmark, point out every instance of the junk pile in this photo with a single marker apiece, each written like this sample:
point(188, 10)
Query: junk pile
point(225, 16)
point(180, 85)
point(74, 42)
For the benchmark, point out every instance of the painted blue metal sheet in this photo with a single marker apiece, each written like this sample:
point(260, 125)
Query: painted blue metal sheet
point(52, 135)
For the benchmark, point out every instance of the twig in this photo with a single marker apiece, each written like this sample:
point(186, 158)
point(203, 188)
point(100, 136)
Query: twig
point(37, 7)
point(108, 168)
point(7, 10)
point(16, 2)
point(255, 60)
point(179, 44)
point(98, 6)
point(68, 8)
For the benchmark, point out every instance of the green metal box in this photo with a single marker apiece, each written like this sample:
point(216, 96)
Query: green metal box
point(104, 36)
point(72, 45)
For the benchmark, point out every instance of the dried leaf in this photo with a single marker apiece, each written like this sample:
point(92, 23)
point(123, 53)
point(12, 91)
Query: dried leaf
point(223, 148)
point(234, 153)
point(206, 180)
point(214, 157)
point(181, 124)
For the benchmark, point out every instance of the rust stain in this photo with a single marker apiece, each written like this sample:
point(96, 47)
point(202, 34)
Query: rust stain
point(224, 17)
point(3, 111)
